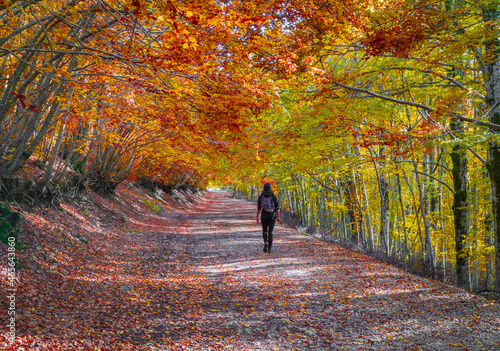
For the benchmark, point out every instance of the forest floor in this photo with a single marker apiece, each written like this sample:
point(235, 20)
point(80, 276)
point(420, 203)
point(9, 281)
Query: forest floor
point(136, 272)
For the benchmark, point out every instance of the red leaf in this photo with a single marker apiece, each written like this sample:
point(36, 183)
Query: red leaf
point(21, 97)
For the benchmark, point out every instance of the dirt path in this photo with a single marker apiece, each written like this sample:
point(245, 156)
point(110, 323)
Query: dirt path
point(306, 295)
point(196, 278)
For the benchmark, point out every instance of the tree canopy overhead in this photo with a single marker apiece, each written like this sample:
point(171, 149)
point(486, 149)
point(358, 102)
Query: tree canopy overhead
point(340, 102)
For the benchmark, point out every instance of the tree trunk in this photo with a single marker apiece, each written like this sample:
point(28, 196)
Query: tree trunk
point(429, 251)
point(384, 214)
point(491, 73)
point(406, 248)
point(359, 211)
point(50, 167)
point(369, 230)
point(383, 187)
point(351, 211)
point(460, 210)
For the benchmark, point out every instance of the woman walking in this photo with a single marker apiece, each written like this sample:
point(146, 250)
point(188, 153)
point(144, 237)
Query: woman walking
point(268, 204)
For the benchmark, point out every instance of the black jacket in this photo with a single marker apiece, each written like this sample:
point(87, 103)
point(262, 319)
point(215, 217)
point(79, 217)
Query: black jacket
point(275, 199)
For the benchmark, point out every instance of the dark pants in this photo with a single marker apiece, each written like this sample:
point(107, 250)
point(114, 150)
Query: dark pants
point(268, 222)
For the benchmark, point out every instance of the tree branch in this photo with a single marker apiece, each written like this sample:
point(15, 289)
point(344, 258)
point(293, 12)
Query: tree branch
point(420, 106)
point(384, 97)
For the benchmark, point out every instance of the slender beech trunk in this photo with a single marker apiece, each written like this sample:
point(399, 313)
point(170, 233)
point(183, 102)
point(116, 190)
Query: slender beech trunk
point(415, 209)
point(343, 219)
point(429, 256)
point(474, 261)
point(383, 187)
point(396, 222)
point(50, 166)
point(406, 248)
point(369, 230)
point(352, 221)
point(384, 214)
point(440, 211)
point(491, 73)
point(434, 195)
point(460, 209)
point(489, 240)
point(359, 211)
point(425, 184)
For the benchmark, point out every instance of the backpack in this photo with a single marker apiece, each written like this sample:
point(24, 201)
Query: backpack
point(267, 203)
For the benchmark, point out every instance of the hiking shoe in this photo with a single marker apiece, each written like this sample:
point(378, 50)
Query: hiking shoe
point(269, 249)
point(265, 247)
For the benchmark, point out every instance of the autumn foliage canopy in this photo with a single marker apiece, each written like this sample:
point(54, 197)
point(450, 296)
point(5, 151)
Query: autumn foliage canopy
point(340, 102)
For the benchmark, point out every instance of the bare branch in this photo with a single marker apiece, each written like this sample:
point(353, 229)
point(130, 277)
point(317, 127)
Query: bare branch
point(384, 97)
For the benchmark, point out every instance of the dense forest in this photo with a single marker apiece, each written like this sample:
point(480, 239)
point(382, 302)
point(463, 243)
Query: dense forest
point(377, 121)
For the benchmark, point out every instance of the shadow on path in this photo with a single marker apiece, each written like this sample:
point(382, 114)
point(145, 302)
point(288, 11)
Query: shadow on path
point(306, 295)
point(195, 278)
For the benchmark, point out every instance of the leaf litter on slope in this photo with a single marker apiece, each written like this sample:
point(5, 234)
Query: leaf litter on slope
point(196, 278)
